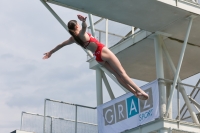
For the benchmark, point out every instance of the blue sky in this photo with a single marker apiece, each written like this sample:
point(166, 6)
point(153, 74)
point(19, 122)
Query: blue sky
point(28, 30)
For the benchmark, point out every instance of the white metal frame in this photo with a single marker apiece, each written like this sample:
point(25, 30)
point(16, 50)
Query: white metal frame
point(182, 90)
point(76, 113)
point(75, 121)
point(180, 62)
point(196, 87)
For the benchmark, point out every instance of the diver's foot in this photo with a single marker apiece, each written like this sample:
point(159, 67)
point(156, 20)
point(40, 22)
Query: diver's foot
point(142, 95)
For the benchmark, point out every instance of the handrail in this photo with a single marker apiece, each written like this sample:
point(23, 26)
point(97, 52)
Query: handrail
point(75, 121)
point(170, 81)
point(71, 104)
point(34, 114)
point(192, 92)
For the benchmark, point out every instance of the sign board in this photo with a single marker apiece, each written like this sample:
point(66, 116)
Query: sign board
point(127, 111)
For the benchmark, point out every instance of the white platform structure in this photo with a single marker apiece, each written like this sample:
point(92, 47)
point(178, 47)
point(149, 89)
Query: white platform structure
point(166, 47)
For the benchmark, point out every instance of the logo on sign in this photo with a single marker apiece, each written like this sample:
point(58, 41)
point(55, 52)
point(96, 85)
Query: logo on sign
point(128, 108)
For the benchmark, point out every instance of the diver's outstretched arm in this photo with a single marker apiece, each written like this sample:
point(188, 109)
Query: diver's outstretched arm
point(67, 42)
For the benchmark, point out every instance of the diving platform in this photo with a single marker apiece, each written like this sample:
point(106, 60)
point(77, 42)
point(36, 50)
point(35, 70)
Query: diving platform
point(150, 15)
point(166, 48)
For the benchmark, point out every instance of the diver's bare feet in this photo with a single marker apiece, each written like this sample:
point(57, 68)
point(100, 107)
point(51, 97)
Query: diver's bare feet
point(142, 95)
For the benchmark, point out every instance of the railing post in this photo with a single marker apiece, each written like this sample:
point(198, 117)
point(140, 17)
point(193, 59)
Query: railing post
point(75, 118)
point(178, 102)
point(51, 125)
point(44, 122)
point(21, 120)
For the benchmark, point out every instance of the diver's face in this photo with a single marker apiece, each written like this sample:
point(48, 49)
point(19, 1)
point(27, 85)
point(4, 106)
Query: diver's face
point(78, 27)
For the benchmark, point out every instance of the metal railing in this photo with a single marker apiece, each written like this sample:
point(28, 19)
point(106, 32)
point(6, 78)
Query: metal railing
point(192, 1)
point(70, 118)
point(31, 122)
point(179, 109)
point(111, 37)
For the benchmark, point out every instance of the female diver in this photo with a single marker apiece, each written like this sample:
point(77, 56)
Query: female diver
point(103, 55)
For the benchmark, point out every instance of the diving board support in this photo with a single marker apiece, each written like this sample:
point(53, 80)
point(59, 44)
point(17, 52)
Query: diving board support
point(110, 92)
point(159, 70)
point(91, 25)
point(62, 23)
point(179, 64)
point(182, 90)
point(99, 90)
point(160, 74)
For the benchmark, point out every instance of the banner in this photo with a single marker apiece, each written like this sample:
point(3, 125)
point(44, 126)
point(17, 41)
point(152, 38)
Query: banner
point(127, 111)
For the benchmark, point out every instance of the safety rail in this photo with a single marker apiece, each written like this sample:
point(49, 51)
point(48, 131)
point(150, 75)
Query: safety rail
point(194, 1)
point(32, 122)
point(110, 38)
point(182, 114)
point(67, 117)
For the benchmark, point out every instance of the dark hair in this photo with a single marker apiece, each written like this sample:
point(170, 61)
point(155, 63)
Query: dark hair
point(71, 27)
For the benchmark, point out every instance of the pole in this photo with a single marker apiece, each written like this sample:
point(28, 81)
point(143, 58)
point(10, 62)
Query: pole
point(179, 64)
point(75, 118)
point(91, 24)
point(160, 72)
point(99, 91)
point(44, 122)
point(51, 125)
point(21, 121)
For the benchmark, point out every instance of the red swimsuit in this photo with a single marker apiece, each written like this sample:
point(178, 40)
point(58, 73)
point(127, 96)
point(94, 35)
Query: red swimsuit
point(97, 53)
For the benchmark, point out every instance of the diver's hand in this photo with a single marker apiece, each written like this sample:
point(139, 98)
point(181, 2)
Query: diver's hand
point(47, 55)
point(81, 18)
